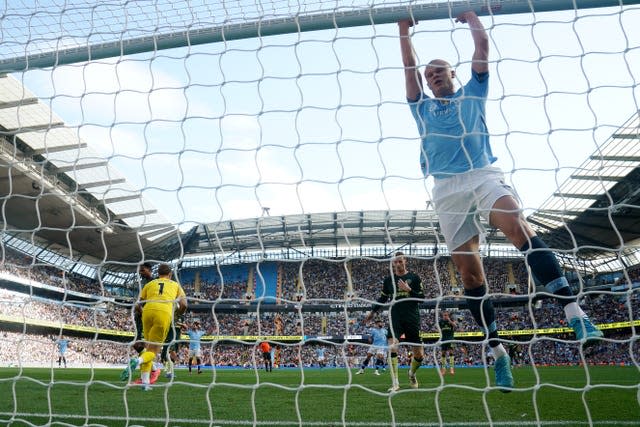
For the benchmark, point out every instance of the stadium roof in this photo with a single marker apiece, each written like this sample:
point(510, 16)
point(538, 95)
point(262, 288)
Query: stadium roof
point(597, 209)
point(392, 228)
point(57, 188)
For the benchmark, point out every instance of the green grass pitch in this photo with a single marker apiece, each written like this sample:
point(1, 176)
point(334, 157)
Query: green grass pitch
point(550, 396)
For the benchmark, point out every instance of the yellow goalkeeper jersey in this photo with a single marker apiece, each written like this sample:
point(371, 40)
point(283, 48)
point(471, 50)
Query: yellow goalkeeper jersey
point(160, 295)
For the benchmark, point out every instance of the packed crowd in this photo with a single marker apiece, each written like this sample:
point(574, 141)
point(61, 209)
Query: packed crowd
point(320, 281)
point(215, 291)
point(619, 348)
point(314, 280)
point(328, 282)
point(604, 307)
point(26, 267)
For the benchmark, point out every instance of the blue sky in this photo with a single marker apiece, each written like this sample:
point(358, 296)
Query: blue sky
point(317, 122)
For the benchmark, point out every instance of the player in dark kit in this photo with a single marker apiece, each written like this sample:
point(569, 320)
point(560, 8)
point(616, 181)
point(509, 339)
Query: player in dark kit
point(145, 271)
point(169, 355)
point(146, 275)
point(447, 329)
point(515, 353)
point(405, 291)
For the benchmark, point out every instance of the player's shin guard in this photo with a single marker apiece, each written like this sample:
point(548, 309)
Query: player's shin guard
point(546, 269)
point(483, 312)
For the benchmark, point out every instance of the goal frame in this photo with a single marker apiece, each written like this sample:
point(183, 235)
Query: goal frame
point(297, 23)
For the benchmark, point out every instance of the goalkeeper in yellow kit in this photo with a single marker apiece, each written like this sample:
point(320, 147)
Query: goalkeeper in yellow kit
point(156, 303)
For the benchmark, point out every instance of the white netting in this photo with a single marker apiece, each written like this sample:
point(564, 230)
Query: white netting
point(283, 169)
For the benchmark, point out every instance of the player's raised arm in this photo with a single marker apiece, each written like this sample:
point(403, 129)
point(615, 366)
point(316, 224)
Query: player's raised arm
point(480, 57)
point(413, 80)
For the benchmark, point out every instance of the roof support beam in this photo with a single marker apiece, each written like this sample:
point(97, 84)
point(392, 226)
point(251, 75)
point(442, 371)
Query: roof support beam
point(626, 136)
point(590, 211)
point(577, 196)
point(284, 228)
point(110, 200)
point(412, 226)
point(360, 228)
point(616, 158)
point(135, 214)
point(598, 178)
point(18, 103)
point(158, 232)
point(209, 240)
point(59, 148)
point(149, 227)
point(555, 217)
point(232, 228)
point(33, 128)
point(79, 166)
point(102, 183)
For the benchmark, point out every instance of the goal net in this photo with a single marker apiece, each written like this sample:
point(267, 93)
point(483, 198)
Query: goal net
point(267, 153)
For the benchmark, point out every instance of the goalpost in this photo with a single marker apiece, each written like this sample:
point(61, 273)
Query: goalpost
point(259, 21)
point(173, 121)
